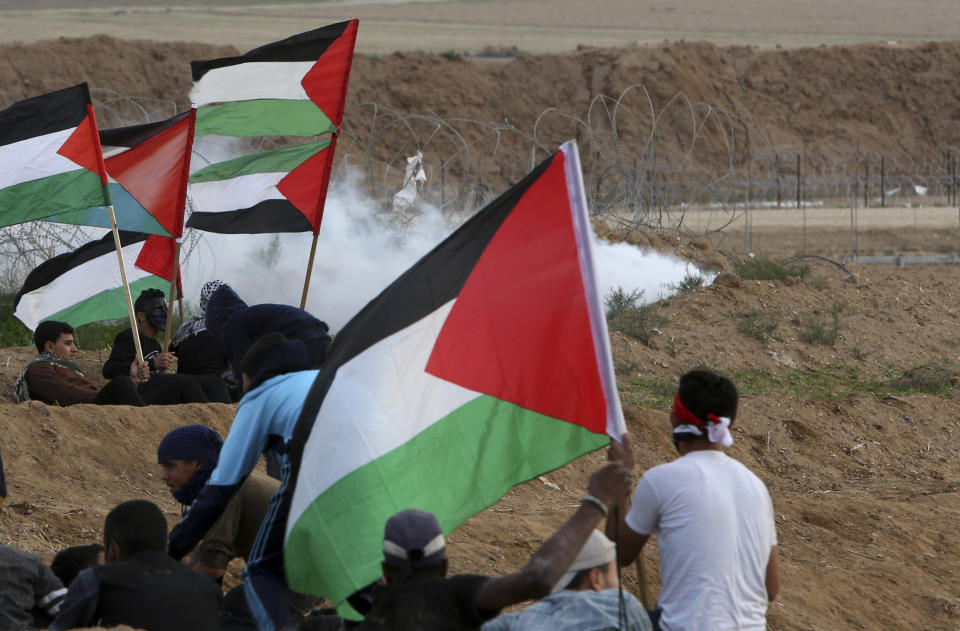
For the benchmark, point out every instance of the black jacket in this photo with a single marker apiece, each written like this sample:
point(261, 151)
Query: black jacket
point(146, 590)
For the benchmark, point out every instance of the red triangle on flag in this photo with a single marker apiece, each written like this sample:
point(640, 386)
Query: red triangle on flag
point(520, 329)
point(156, 257)
point(155, 173)
point(326, 82)
point(83, 146)
point(305, 185)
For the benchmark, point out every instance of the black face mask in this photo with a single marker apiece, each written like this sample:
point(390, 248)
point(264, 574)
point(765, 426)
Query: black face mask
point(156, 312)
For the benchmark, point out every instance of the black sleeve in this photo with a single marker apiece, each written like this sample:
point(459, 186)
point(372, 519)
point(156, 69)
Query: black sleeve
point(465, 588)
point(121, 355)
point(79, 608)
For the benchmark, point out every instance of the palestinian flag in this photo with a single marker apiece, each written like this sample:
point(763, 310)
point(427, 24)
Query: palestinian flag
point(50, 158)
point(85, 285)
point(484, 365)
point(294, 87)
point(270, 191)
point(148, 167)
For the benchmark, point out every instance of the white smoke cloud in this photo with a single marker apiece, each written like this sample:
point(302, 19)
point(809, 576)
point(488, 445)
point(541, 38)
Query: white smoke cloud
point(360, 252)
point(631, 268)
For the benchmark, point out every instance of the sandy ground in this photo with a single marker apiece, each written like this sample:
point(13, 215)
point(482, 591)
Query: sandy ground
point(532, 25)
point(864, 478)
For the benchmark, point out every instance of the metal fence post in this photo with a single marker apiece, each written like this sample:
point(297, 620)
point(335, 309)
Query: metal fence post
point(883, 187)
point(866, 182)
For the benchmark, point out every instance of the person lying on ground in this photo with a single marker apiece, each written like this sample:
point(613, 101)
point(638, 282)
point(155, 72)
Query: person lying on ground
point(198, 351)
point(139, 585)
point(159, 389)
point(587, 598)
point(419, 596)
point(237, 326)
point(30, 594)
point(54, 377)
point(276, 380)
point(712, 516)
point(71, 561)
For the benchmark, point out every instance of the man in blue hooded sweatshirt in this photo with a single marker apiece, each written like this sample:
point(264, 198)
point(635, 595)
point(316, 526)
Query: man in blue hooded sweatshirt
point(237, 326)
point(276, 379)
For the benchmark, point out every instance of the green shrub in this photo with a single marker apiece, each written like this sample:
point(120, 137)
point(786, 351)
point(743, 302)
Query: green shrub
point(617, 301)
point(758, 325)
point(687, 284)
point(932, 378)
point(763, 267)
point(818, 331)
point(451, 55)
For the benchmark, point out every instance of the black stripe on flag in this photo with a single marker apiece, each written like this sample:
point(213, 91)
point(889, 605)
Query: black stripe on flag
point(308, 46)
point(135, 134)
point(49, 270)
point(272, 215)
point(42, 115)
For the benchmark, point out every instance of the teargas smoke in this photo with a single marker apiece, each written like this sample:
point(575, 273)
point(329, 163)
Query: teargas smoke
point(362, 249)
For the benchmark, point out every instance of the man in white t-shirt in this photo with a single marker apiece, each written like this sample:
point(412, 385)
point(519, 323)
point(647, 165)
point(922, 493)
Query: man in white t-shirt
point(712, 516)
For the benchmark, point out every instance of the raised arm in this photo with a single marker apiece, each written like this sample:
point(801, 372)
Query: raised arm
point(551, 560)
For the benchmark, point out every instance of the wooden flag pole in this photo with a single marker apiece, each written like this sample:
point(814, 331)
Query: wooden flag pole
point(173, 292)
point(126, 285)
point(306, 281)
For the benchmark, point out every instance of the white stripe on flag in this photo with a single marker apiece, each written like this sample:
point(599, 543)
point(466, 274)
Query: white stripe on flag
point(236, 193)
point(77, 284)
point(356, 425)
point(253, 80)
point(34, 158)
point(616, 425)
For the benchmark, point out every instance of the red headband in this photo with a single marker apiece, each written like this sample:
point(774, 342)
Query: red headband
point(686, 416)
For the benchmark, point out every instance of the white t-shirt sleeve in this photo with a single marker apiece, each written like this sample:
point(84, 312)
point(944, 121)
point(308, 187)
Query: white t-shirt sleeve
point(644, 515)
point(771, 519)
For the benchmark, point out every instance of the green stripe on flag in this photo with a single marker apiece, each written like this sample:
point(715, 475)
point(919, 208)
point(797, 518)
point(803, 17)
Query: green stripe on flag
point(457, 467)
point(263, 117)
point(36, 199)
point(273, 161)
point(110, 304)
point(131, 215)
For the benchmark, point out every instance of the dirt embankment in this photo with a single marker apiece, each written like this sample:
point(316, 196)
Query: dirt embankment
point(878, 97)
point(863, 475)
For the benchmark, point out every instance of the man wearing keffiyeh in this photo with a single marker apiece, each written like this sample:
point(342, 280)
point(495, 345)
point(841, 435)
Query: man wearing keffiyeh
point(712, 516)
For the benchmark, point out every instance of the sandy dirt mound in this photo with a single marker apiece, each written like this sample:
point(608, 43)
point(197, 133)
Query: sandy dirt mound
point(877, 97)
point(864, 480)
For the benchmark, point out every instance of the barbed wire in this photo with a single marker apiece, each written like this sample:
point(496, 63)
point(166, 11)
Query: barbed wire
point(644, 165)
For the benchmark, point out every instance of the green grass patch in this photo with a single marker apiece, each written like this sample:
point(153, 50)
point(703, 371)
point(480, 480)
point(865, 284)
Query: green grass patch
point(763, 267)
point(930, 378)
point(640, 323)
point(652, 394)
point(819, 331)
point(759, 325)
